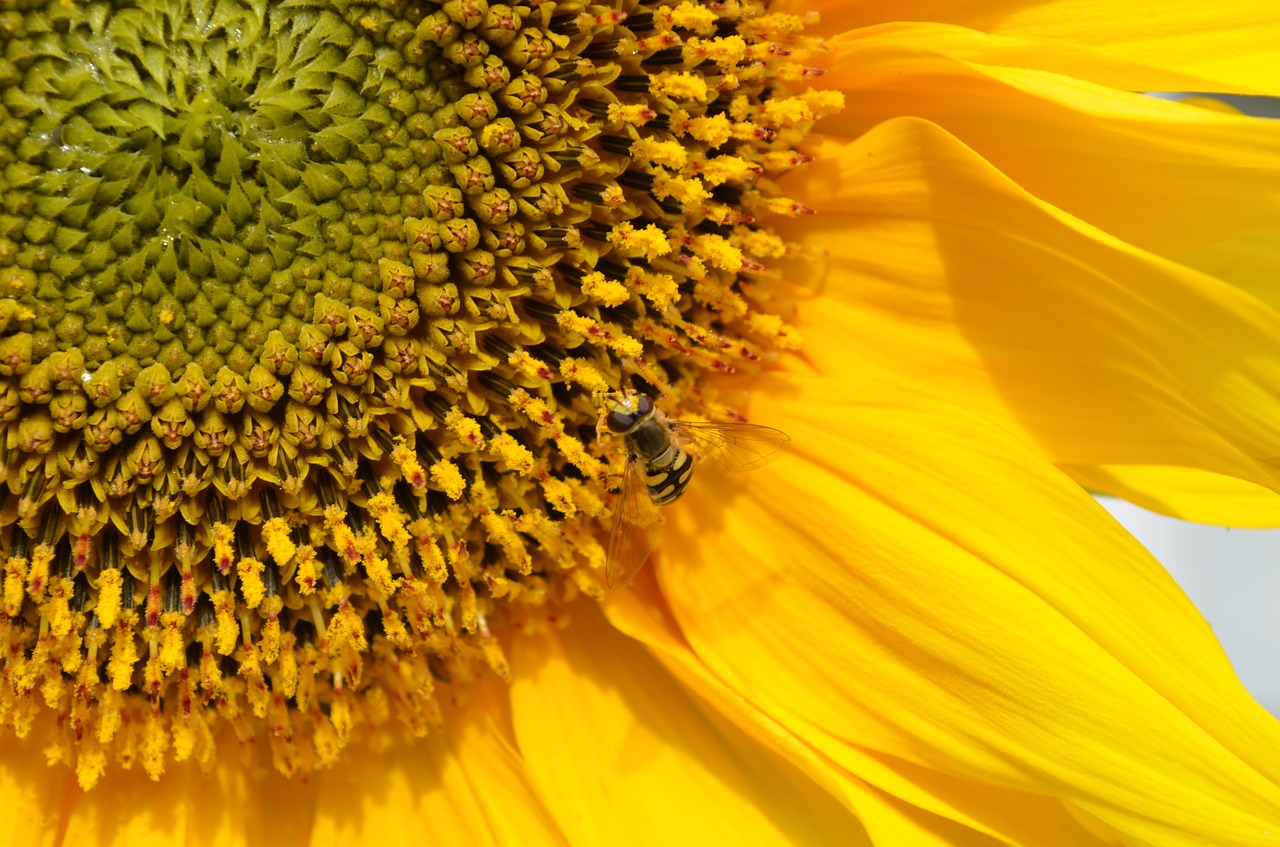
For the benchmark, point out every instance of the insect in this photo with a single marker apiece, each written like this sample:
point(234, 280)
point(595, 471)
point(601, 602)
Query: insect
point(659, 468)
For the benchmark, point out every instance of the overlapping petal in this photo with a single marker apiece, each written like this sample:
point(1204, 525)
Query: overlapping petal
point(897, 802)
point(624, 755)
point(464, 785)
point(945, 272)
point(1161, 175)
point(1249, 261)
point(924, 612)
point(1228, 47)
point(1185, 493)
point(234, 805)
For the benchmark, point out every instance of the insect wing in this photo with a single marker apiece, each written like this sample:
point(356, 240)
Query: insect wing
point(635, 529)
point(733, 447)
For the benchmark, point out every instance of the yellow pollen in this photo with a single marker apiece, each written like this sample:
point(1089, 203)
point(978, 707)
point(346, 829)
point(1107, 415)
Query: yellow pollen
point(270, 636)
point(778, 26)
point(410, 467)
point(446, 475)
point(124, 652)
point(501, 532)
point(379, 574)
point(725, 168)
point(576, 454)
point(343, 540)
point(15, 577)
point(391, 520)
point(636, 114)
point(772, 327)
point(672, 154)
point(224, 605)
point(324, 434)
point(280, 547)
point(223, 556)
point(517, 457)
point(688, 15)
point(762, 245)
point(610, 292)
point(714, 130)
point(560, 495)
point(718, 252)
point(172, 646)
point(38, 574)
point(581, 372)
point(659, 289)
point(689, 192)
point(725, 52)
point(649, 242)
point(529, 366)
point(57, 608)
point(464, 427)
point(307, 575)
point(679, 86)
point(251, 586)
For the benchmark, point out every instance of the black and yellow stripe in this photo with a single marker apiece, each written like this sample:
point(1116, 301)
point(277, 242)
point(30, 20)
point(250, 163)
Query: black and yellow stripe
point(669, 476)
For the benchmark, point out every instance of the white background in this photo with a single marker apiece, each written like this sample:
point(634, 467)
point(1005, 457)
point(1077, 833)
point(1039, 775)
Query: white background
point(1233, 577)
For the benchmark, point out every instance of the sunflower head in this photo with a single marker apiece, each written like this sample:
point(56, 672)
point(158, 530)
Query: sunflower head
point(307, 313)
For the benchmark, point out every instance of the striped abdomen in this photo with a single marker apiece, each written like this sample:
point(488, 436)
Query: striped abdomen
point(667, 467)
point(668, 475)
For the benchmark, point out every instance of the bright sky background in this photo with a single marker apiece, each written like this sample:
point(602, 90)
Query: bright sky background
point(1233, 577)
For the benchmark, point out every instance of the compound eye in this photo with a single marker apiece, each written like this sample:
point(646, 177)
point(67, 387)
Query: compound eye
point(643, 406)
point(619, 421)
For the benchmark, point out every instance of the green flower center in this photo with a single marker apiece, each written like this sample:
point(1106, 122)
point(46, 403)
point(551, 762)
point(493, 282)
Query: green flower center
point(308, 311)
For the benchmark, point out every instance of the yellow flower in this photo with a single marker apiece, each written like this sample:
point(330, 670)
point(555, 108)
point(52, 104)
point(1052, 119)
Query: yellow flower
point(309, 312)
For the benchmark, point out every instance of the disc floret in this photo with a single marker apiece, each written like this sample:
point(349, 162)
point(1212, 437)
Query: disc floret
point(307, 311)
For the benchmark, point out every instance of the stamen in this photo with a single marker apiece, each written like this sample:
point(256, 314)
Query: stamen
point(304, 338)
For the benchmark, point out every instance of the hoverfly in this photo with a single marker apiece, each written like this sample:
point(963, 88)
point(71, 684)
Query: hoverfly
point(658, 470)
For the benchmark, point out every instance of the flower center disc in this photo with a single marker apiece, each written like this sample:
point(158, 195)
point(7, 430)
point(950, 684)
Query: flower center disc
point(308, 311)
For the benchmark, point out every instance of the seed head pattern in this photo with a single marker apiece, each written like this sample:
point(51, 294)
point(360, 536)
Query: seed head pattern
point(307, 313)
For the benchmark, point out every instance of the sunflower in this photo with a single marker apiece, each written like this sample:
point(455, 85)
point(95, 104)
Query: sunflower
point(309, 313)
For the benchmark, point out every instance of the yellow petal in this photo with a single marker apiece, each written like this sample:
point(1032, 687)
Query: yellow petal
point(940, 269)
point(1187, 494)
point(1159, 174)
point(623, 755)
point(917, 581)
point(897, 802)
point(465, 785)
point(1231, 46)
point(40, 791)
point(230, 806)
point(1213, 104)
point(1248, 261)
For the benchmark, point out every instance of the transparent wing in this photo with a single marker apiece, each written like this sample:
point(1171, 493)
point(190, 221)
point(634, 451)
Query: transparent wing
point(635, 529)
point(731, 446)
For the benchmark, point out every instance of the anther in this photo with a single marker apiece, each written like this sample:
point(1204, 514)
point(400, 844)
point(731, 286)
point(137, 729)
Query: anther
point(422, 263)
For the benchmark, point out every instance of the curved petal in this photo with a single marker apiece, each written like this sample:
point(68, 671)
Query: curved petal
point(941, 270)
point(625, 756)
point(1187, 494)
point(1161, 175)
point(1230, 47)
point(919, 582)
point(465, 785)
point(897, 802)
point(1248, 261)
